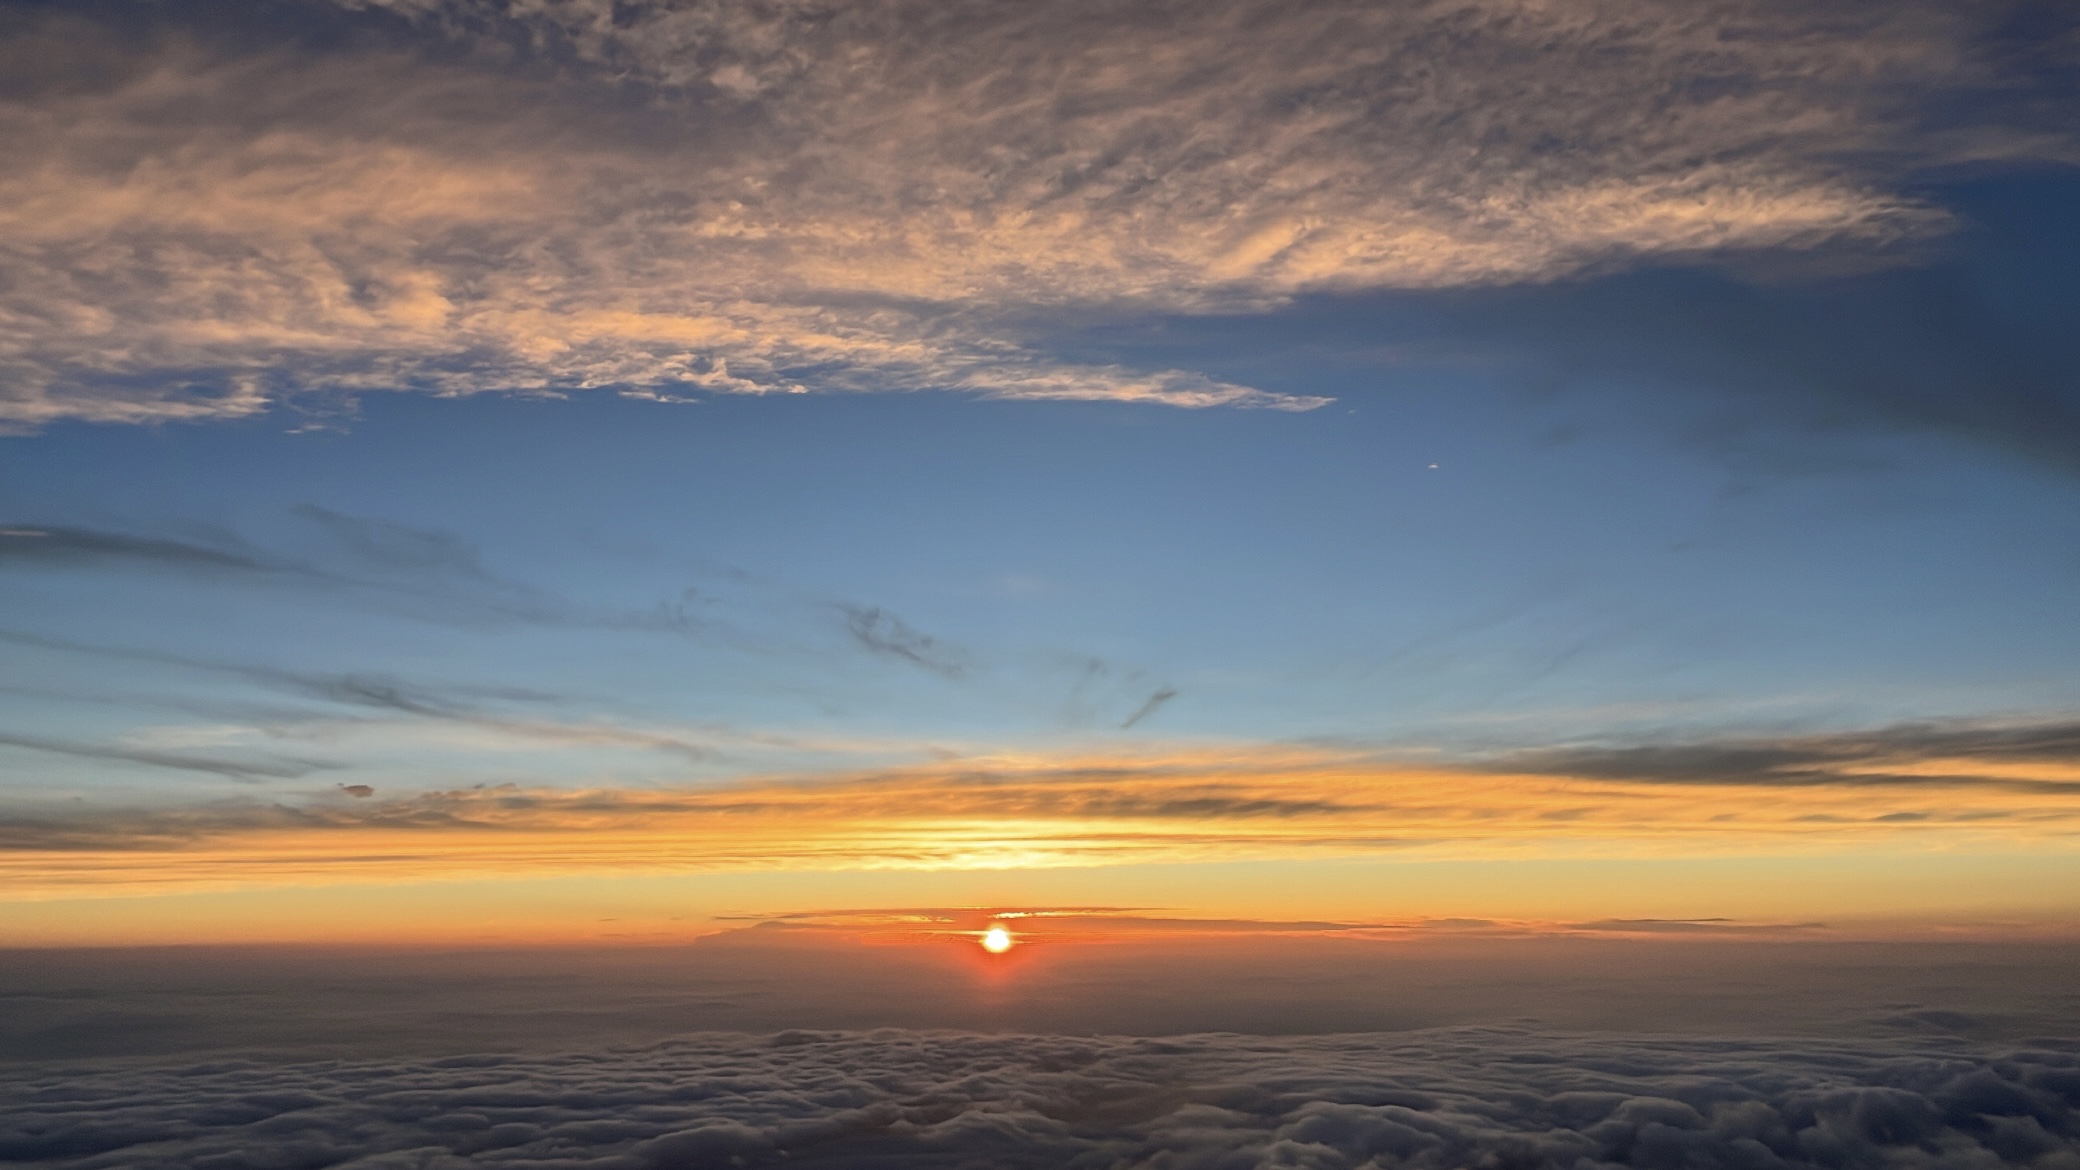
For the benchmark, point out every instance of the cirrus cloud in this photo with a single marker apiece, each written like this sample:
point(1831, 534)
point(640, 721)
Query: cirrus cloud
point(671, 199)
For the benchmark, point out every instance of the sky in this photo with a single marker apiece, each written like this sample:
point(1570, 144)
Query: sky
point(1172, 585)
point(560, 471)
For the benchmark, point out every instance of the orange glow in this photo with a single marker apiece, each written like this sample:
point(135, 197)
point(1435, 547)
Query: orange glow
point(996, 940)
point(1034, 814)
point(1919, 894)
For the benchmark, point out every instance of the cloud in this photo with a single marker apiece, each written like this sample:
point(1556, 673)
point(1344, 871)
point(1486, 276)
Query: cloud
point(1957, 787)
point(1107, 694)
point(1695, 926)
point(1113, 924)
point(1039, 923)
point(672, 199)
point(440, 576)
point(230, 769)
point(428, 574)
point(65, 547)
point(450, 703)
point(886, 634)
point(372, 550)
point(433, 575)
point(397, 547)
point(2041, 755)
point(1424, 1100)
point(1148, 708)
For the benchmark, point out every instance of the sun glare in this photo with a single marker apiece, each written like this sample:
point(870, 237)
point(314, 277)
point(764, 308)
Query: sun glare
point(996, 940)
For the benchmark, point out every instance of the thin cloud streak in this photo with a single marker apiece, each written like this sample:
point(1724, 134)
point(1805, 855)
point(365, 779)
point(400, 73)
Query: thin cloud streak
point(250, 770)
point(889, 636)
point(433, 576)
point(384, 693)
point(1149, 707)
point(1112, 924)
point(66, 547)
point(2046, 755)
point(438, 576)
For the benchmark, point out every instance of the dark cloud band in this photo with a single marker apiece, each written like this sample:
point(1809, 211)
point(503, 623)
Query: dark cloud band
point(1940, 753)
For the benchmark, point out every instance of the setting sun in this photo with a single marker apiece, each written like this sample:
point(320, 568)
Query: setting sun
point(996, 940)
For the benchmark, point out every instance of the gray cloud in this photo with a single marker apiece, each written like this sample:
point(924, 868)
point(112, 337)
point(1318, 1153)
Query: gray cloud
point(665, 198)
point(1425, 1101)
point(1938, 753)
point(439, 576)
point(61, 546)
point(250, 769)
point(71, 825)
point(390, 545)
point(430, 575)
point(1108, 694)
point(452, 703)
point(886, 634)
point(1148, 707)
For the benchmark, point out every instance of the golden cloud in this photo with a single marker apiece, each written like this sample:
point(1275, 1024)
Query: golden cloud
point(1011, 813)
point(868, 196)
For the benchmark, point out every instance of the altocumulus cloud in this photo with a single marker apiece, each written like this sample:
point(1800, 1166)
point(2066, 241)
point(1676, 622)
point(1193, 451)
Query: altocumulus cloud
point(665, 197)
point(1441, 1099)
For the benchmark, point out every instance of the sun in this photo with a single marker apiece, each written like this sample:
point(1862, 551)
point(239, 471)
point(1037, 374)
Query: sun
point(996, 940)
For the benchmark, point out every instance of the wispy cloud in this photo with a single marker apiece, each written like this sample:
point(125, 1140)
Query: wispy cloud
point(1034, 923)
point(428, 574)
point(2045, 754)
point(2021, 786)
point(1149, 706)
point(1054, 924)
point(670, 198)
point(471, 706)
point(399, 547)
point(63, 546)
point(885, 634)
point(233, 769)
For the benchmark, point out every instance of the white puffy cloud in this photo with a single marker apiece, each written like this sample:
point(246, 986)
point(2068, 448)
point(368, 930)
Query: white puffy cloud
point(664, 198)
point(1443, 1099)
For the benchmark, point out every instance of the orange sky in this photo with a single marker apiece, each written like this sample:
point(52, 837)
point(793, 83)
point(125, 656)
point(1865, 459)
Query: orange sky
point(1272, 836)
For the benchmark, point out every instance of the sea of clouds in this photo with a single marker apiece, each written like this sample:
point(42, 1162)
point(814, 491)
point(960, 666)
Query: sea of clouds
point(1492, 1098)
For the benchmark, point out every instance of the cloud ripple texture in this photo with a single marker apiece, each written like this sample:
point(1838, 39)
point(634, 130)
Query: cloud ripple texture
point(1491, 1098)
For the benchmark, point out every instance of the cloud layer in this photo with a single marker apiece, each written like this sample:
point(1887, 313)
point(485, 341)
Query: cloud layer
point(1443, 1099)
point(669, 198)
point(1919, 786)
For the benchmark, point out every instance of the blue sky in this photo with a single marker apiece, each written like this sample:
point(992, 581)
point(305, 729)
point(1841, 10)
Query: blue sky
point(1585, 560)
